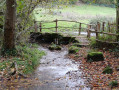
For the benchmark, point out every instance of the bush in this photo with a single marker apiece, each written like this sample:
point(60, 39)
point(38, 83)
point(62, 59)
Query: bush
point(101, 2)
point(30, 58)
point(113, 84)
point(73, 49)
point(73, 1)
point(93, 42)
point(27, 60)
point(95, 56)
point(108, 70)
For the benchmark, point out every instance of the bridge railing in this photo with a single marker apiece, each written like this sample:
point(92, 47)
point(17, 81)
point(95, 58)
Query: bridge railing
point(98, 29)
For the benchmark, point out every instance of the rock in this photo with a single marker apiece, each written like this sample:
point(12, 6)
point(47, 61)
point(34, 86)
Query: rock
point(67, 40)
point(52, 37)
point(95, 56)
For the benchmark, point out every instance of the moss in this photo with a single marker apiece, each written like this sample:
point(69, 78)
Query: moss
point(77, 44)
point(51, 37)
point(108, 70)
point(73, 49)
point(54, 47)
point(95, 56)
point(113, 84)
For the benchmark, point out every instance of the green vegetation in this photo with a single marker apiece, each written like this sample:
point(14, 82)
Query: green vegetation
point(108, 70)
point(73, 49)
point(76, 44)
point(110, 3)
point(54, 47)
point(95, 56)
point(113, 84)
point(27, 61)
point(75, 13)
point(93, 42)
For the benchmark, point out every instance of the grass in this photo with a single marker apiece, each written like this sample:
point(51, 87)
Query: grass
point(83, 13)
point(27, 61)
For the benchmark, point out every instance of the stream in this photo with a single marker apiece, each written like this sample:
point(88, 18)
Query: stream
point(58, 72)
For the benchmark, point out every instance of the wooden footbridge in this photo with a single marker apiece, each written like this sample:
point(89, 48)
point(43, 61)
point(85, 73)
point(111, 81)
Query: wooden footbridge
point(98, 29)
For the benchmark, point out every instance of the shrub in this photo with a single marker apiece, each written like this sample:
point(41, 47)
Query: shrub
point(73, 1)
point(101, 2)
point(95, 56)
point(113, 84)
point(30, 58)
point(93, 42)
point(108, 70)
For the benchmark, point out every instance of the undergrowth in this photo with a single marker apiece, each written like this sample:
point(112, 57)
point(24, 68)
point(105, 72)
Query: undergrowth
point(27, 60)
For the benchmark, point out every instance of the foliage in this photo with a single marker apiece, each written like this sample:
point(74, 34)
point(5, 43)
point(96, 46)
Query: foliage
point(108, 70)
point(73, 49)
point(101, 2)
point(54, 47)
point(27, 61)
point(113, 84)
point(73, 1)
point(93, 42)
point(9, 52)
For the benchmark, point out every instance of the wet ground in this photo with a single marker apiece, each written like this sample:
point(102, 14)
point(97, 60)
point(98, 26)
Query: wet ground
point(58, 72)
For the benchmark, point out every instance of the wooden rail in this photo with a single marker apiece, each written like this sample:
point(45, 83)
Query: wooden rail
point(98, 28)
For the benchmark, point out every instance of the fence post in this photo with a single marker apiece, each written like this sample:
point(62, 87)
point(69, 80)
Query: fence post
point(103, 26)
point(35, 25)
point(79, 28)
point(96, 31)
point(98, 26)
point(88, 31)
point(40, 27)
point(109, 26)
point(56, 25)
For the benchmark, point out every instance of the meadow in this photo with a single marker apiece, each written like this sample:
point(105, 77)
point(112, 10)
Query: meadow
point(82, 13)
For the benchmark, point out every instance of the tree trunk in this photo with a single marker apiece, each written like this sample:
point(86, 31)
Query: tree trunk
point(9, 26)
point(117, 19)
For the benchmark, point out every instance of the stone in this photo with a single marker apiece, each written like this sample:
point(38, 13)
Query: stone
point(95, 56)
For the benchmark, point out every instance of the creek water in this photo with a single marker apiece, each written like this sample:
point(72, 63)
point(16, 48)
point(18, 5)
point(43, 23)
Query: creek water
point(58, 72)
point(55, 72)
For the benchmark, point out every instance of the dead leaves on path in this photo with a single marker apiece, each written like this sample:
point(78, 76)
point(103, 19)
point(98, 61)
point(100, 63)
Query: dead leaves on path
point(93, 71)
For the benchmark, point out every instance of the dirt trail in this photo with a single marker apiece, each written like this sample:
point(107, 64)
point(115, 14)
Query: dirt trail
point(58, 72)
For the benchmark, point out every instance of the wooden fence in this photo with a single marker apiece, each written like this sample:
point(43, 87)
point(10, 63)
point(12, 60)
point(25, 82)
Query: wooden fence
point(98, 28)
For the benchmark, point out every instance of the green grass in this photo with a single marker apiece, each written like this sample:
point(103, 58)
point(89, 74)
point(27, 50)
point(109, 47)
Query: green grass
point(27, 61)
point(82, 13)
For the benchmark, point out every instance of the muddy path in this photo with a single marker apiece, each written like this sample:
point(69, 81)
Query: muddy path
point(58, 72)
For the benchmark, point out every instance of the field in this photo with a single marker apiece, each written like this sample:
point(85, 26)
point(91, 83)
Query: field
point(81, 13)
